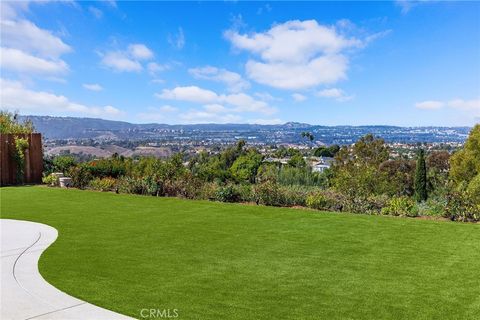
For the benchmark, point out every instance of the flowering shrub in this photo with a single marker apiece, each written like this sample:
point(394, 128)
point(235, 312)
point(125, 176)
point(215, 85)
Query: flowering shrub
point(401, 206)
point(103, 184)
point(81, 176)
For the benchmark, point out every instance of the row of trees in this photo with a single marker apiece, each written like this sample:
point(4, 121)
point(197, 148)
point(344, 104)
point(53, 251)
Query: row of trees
point(363, 178)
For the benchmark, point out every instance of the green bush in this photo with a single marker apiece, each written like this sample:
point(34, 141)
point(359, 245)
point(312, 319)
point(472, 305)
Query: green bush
point(50, 180)
point(267, 193)
point(131, 185)
point(326, 200)
point(103, 184)
point(401, 206)
point(372, 204)
point(227, 193)
point(473, 188)
point(81, 176)
point(208, 191)
point(245, 192)
point(185, 186)
point(103, 168)
point(63, 163)
point(290, 196)
point(461, 206)
point(432, 207)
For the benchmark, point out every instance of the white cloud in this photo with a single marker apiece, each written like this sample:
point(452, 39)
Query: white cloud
point(322, 70)
point(466, 105)
point(190, 94)
point(306, 48)
point(155, 68)
point(10, 9)
point(156, 114)
point(167, 108)
point(246, 103)
point(470, 108)
point(29, 50)
point(92, 86)
point(299, 97)
point(140, 51)
point(265, 96)
point(431, 104)
point(129, 60)
point(15, 96)
point(215, 108)
point(97, 13)
point(17, 60)
point(233, 80)
point(240, 101)
point(334, 93)
point(208, 116)
point(293, 41)
point(26, 36)
point(177, 40)
point(407, 5)
point(119, 61)
point(157, 81)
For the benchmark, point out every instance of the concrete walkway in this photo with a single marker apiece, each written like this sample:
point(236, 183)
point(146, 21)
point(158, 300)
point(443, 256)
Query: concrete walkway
point(24, 293)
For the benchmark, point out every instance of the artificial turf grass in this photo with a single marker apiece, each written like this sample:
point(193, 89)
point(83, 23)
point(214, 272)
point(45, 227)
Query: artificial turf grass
point(229, 261)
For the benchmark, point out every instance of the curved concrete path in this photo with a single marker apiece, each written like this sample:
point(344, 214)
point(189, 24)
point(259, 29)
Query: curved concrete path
point(24, 292)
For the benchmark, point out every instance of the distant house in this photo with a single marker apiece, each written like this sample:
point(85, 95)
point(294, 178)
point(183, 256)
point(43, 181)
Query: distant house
point(277, 160)
point(322, 164)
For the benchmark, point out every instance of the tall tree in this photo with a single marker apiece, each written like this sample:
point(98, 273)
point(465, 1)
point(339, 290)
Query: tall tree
point(355, 169)
point(421, 177)
point(465, 163)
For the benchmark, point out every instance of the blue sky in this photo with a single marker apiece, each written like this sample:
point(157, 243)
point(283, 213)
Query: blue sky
point(329, 63)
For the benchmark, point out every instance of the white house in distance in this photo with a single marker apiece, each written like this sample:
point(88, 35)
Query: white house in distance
point(321, 163)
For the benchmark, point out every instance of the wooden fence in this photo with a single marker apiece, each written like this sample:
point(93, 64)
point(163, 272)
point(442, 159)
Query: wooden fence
point(33, 159)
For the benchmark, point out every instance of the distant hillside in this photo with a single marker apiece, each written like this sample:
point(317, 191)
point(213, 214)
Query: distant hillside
point(56, 128)
point(78, 128)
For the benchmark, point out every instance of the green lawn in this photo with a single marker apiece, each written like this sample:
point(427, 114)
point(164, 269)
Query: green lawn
point(231, 261)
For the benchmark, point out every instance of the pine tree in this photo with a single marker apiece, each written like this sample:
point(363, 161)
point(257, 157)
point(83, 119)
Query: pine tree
point(421, 177)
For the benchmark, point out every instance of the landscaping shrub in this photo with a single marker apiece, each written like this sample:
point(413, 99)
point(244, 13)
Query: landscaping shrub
point(372, 204)
point(103, 184)
point(245, 192)
point(290, 196)
point(50, 180)
point(432, 207)
point(267, 193)
point(81, 176)
point(304, 176)
point(401, 206)
point(208, 191)
point(185, 186)
point(461, 206)
point(131, 185)
point(326, 200)
point(106, 168)
point(227, 193)
point(63, 163)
